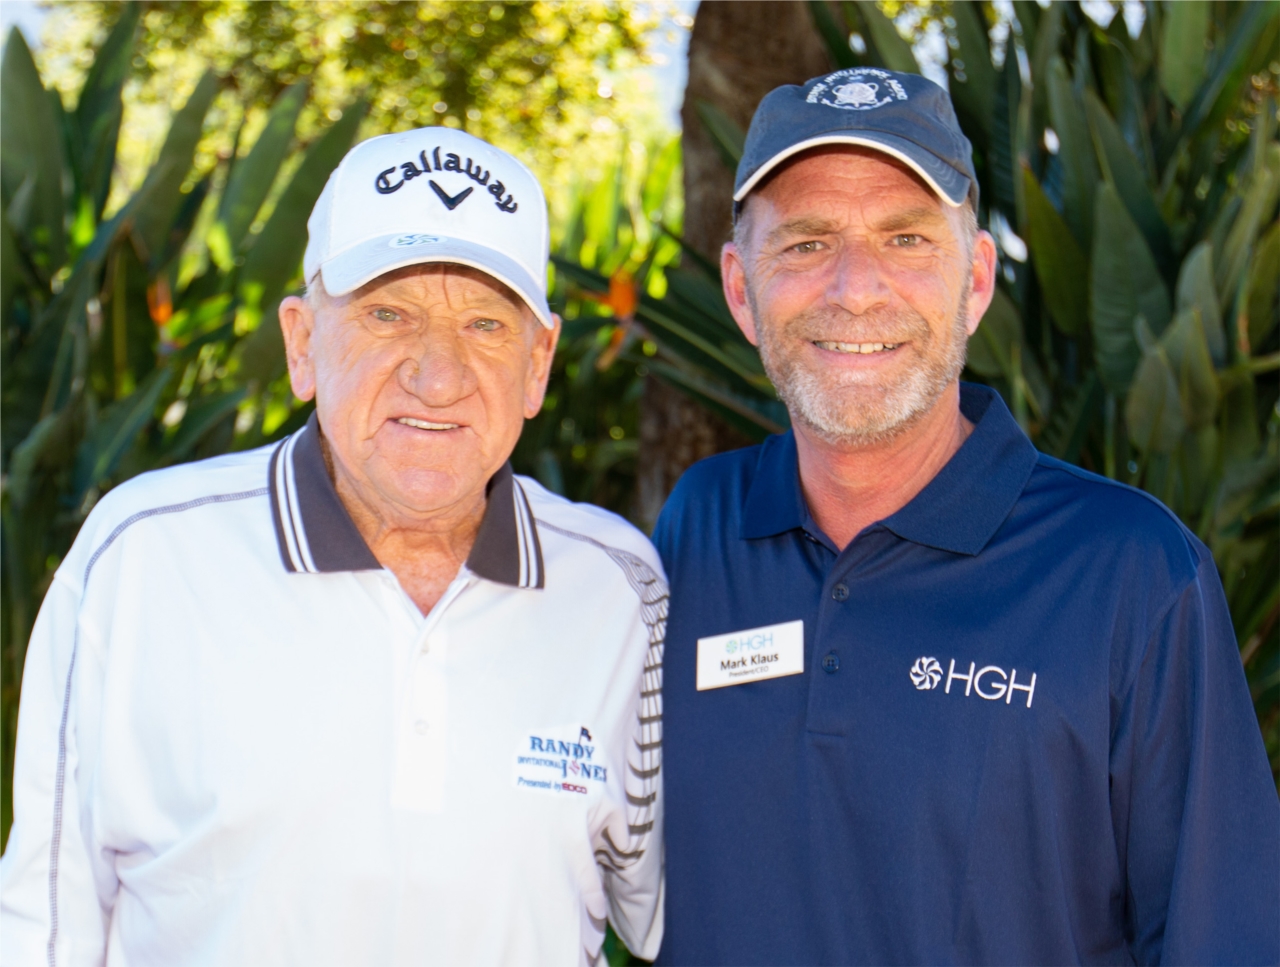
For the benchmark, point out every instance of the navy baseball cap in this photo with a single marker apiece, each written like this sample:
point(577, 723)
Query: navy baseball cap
point(904, 115)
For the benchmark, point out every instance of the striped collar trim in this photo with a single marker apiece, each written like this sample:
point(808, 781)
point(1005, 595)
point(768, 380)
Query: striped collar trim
point(317, 536)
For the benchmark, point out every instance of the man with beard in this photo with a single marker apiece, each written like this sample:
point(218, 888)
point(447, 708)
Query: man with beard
point(932, 696)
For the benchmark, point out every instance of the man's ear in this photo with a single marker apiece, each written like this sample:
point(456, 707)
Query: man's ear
point(734, 276)
point(982, 286)
point(298, 323)
point(540, 357)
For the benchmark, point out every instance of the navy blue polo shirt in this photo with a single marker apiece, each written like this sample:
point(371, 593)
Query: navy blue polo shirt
point(1022, 733)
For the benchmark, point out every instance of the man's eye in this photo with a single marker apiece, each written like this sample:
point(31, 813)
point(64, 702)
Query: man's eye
point(907, 240)
point(806, 248)
point(386, 315)
point(487, 325)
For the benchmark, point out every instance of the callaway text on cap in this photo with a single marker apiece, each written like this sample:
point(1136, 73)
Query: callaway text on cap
point(430, 195)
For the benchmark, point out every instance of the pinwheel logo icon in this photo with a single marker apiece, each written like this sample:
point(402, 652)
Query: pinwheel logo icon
point(926, 673)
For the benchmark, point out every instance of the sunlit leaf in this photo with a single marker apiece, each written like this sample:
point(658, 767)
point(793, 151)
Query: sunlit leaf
point(1264, 287)
point(893, 51)
point(1060, 264)
point(1196, 290)
point(176, 155)
point(1259, 199)
point(276, 256)
point(973, 79)
point(1121, 168)
point(1125, 284)
point(32, 148)
point(1153, 412)
point(253, 175)
point(834, 35)
point(1188, 354)
point(96, 121)
point(1075, 151)
point(1182, 53)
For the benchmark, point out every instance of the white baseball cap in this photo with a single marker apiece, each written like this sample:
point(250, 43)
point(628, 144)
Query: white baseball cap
point(430, 195)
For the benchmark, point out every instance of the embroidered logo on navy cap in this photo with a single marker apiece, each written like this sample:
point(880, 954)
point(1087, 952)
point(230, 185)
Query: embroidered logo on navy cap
point(857, 89)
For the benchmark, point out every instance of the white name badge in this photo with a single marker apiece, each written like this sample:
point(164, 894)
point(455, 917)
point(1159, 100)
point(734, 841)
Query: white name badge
point(751, 656)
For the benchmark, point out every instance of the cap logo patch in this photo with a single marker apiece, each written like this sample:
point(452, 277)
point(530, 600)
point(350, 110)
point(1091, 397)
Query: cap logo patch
point(857, 89)
point(396, 177)
point(404, 241)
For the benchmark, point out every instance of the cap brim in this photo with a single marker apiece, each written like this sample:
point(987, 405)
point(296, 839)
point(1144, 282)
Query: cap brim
point(362, 263)
point(947, 183)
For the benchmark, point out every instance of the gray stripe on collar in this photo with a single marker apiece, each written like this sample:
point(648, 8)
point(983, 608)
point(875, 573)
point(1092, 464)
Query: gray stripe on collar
point(315, 532)
point(316, 535)
point(507, 549)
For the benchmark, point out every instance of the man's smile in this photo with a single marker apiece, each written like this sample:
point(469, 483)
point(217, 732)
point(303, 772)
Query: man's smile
point(426, 424)
point(864, 348)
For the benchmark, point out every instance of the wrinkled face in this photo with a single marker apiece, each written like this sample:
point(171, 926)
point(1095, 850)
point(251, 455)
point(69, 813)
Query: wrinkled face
point(861, 289)
point(422, 380)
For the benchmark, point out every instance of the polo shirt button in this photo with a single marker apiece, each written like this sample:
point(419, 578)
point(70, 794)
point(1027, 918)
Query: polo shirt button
point(831, 663)
point(420, 726)
point(840, 592)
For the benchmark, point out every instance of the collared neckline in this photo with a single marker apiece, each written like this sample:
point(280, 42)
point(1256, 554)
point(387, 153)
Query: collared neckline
point(316, 535)
point(959, 510)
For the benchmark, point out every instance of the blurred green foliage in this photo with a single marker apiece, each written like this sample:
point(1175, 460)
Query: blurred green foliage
point(536, 78)
point(584, 442)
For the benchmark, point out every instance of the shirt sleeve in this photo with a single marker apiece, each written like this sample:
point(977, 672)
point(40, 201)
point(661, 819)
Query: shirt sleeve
point(632, 856)
point(54, 906)
point(1196, 813)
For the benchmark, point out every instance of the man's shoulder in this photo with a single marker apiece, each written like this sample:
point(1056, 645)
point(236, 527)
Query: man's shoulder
point(706, 502)
point(227, 476)
point(170, 491)
point(716, 482)
point(710, 474)
point(1114, 517)
point(591, 529)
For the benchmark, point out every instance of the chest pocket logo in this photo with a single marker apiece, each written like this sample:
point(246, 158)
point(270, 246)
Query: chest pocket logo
point(989, 682)
point(560, 759)
point(926, 673)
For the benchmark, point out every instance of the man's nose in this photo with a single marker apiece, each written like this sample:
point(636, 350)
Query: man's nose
point(436, 370)
point(857, 282)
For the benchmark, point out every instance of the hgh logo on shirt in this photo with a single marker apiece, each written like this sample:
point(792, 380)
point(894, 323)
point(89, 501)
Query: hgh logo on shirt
point(989, 682)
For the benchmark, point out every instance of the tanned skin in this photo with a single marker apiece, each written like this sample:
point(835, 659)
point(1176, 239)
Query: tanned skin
point(439, 344)
point(854, 230)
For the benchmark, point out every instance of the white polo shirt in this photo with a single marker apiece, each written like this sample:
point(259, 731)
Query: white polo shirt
point(241, 743)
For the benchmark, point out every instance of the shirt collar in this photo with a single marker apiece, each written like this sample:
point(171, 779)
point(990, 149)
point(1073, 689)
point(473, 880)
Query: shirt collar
point(316, 534)
point(959, 510)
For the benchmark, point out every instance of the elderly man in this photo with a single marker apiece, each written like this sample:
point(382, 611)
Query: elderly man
point(364, 697)
point(933, 697)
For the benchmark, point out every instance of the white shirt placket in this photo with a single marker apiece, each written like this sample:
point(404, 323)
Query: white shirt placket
point(422, 732)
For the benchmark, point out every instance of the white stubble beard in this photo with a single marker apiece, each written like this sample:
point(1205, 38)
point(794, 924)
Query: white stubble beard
point(856, 411)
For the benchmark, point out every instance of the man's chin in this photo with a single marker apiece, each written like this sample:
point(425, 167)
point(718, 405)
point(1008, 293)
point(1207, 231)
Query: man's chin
point(423, 491)
point(863, 414)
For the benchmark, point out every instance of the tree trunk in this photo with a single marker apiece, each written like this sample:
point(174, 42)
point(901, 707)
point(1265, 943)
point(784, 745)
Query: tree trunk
point(738, 52)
